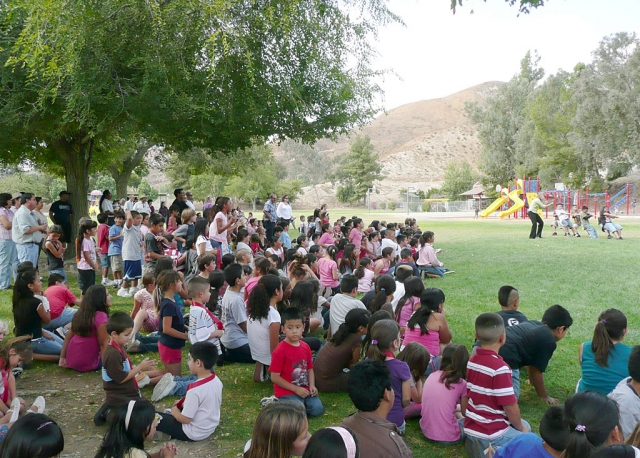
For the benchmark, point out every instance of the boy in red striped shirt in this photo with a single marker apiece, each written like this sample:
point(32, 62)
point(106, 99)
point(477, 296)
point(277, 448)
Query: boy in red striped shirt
point(492, 417)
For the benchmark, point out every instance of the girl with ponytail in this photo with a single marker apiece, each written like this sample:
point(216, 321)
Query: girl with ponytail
point(385, 342)
point(605, 359)
point(592, 419)
point(263, 325)
point(341, 352)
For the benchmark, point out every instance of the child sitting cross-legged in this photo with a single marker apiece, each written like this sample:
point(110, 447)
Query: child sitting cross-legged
point(292, 367)
point(196, 416)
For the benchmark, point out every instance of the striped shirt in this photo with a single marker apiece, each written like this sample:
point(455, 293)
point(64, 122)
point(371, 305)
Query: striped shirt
point(5, 234)
point(489, 389)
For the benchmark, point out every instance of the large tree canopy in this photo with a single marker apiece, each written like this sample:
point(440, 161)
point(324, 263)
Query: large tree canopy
point(214, 74)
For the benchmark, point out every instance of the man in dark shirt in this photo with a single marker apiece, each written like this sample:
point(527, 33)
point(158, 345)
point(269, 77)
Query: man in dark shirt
point(532, 344)
point(180, 202)
point(60, 213)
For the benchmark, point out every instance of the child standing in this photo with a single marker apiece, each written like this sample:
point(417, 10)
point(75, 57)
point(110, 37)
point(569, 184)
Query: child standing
point(134, 423)
point(54, 250)
point(203, 325)
point(196, 416)
point(292, 367)
point(153, 242)
point(492, 416)
point(604, 360)
point(103, 245)
point(263, 325)
point(303, 227)
point(86, 255)
point(115, 248)
point(131, 254)
point(443, 391)
point(385, 341)
point(284, 237)
point(171, 326)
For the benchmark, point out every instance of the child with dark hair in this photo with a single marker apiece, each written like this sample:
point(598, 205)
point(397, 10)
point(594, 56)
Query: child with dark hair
point(626, 394)
point(34, 436)
point(385, 341)
point(54, 250)
point(365, 275)
point(417, 358)
point(153, 242)
point(61, 299)
point(196, 416)
point(281, 430)
point(443, 391)
point(380, 298)
point(592, 421)
point(428, 325)
point(427, 261)
point(554, 436)
point(86, 256)
point(532, 344)
point(371, 391)
point(333, 442)
point(203, 325)
point(103, 247)
point(509, 300)
point(263, 326)
point(345, 301)
point(409, 302)
point(604, 360)
point(134, 422)
point(341, 352)
point(492, 416)
point(292, 366)
point(233, 314)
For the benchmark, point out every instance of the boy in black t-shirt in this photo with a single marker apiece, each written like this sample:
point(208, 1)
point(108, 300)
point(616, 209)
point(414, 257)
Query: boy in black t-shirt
point(153, 242)
point(509, 299)
point(532, 344)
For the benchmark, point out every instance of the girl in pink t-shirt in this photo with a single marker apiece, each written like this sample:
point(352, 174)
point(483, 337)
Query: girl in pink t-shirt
point(410, 302)
point(144, 310)
point(328, 268)
point(417, 358)
point(326, 239)
point(88, 337)
point(442, 392)
point(260, 268)
point(365, 275)
point(428, 324)
point(86, 255)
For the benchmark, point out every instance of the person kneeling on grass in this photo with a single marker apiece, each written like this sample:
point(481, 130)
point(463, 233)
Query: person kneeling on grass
point(196, 416)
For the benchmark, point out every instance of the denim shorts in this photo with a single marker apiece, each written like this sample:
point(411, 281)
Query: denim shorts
point(104, 261)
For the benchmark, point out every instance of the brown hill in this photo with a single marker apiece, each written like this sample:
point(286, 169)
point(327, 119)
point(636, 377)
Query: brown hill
point(415, 142)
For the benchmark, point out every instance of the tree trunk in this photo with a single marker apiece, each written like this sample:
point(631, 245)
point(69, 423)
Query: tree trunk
point(254, 205)
point(76, 155)
point(122, 171)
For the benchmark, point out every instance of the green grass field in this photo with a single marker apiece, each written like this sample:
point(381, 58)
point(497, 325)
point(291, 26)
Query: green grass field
point(586, 276)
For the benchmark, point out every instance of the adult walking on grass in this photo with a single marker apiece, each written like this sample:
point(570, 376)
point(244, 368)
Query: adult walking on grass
point(537, 224)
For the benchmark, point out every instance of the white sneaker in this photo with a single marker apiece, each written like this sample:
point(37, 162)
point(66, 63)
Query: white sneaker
point(15, 410)
point(123, 292)
point(450, 272)
point(107, 282)
point(38, 404)
point(163, 387)
point(144, 382)
point(133, 290)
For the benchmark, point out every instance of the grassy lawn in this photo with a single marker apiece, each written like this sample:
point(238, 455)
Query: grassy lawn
point(585, 276)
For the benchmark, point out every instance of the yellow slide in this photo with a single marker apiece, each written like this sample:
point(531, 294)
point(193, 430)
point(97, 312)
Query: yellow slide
point(493, 207)
point(518, 203)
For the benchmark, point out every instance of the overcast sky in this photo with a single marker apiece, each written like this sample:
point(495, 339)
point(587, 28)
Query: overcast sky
point(439, 53)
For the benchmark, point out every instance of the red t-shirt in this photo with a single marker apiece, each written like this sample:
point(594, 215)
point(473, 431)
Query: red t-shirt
point(103, 238)
point(293, 364)
point(59, 297)
point(490, 387)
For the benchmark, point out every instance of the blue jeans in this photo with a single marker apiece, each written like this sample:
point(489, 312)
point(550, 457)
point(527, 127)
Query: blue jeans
point(44, 346)
point(180, 389)
point(59, 272)
point(8, 262)
point(439, 271)
point(312, 404)
point(28, 252)
point(515, 375)
point(64, 319)
point(500, 441)
point(147, 343)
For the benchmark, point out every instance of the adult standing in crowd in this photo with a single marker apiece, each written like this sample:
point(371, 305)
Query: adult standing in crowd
point(180, 202)
point(42, 220)
point(142, 206)
point(128, 206)
point(189, 201)
point(163, 210)
point(537, 224)
point(270, 216)
point(26, 231)
point(208, 203)
point(8, 253)
point(60, 213)
point(284, 211)
point(106, 206)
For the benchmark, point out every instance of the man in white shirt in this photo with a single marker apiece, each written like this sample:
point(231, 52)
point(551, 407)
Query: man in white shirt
point(128, 206)
point(25, 230)
point(189, 201)
point(142, 206)
point(345, 301)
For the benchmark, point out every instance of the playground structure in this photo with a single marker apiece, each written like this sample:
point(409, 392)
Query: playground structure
point(512, 197)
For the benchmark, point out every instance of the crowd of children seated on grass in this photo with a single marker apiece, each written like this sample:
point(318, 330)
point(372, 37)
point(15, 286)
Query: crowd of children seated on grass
point(238, 295)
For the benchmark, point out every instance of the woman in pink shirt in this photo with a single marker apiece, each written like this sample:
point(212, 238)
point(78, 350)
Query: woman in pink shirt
point(355, 236)
point(328, 269)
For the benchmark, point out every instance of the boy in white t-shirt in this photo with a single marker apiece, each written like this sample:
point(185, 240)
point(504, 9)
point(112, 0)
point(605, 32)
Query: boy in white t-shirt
point(196, 416)
point(131, 254)
point(203, 325)
point(564, 221)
